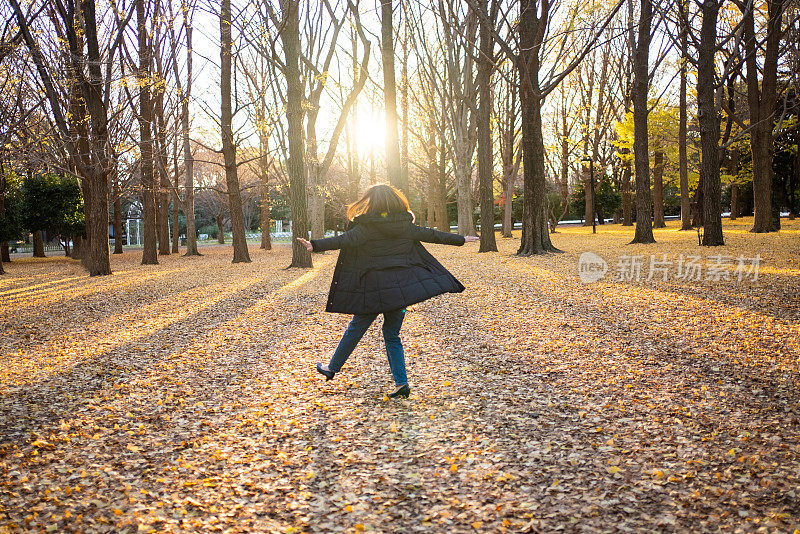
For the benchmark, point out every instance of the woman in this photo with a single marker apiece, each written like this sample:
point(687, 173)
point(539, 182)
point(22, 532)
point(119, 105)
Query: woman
point(383, 268)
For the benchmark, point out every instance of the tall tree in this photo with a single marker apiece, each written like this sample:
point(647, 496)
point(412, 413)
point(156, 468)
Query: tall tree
point(709, 125)
point(184, 95)
point(240, 251)
point(460, 31)
point(761, 100)
point(393, 168)
point(89, 154)
point(317, 82)
point(641, 154)
point(485, 147)
point(683, 160)
point(290, 36)
point(147, 174)
point(658, 186)
point(532, 30)
point(533, 22)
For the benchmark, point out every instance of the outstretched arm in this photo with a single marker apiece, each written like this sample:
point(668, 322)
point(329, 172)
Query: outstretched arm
point(350, 238)
point(429, 235)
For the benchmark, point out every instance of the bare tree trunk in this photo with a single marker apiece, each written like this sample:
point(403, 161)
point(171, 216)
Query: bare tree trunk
point(733, 171)
point(709, 126)
point(316, 198)
point(5, 256)
point(795, 179)
point(390, 98)
point(117, 216)
point(188, 158)
point(485, 148)
point(433, 171)
point(162, 217)
point(4, 252)
point(588, 213)
point(353, 156)
point(658, 188)
point(38, 244)
point(508, 199)
point(266, 240)
point(404, 107)
point(240, 252)
point(627, 200)
point(464, 137)
point(641, 157)
point(431, 203)
point(761, 102)
point(441, 213)
point(683, 159)
point(510, 166)
point(220, 230)
point(175, 219)
point(149, 252)
point(535, 231)
point(294, 115)
point(97, 258)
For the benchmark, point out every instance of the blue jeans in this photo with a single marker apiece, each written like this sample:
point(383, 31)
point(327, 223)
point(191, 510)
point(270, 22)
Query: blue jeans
point(392, 321)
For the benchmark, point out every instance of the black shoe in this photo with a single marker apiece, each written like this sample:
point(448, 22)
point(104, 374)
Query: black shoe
point(403, 391)
point(328, 374)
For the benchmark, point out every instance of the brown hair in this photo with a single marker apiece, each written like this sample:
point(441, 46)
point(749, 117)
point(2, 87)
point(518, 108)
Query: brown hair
point(379, 199)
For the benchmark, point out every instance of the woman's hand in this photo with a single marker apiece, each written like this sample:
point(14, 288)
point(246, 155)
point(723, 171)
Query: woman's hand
point(306, 243)
point(470, 238)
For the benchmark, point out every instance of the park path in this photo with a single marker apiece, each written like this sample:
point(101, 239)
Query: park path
point(185, 399)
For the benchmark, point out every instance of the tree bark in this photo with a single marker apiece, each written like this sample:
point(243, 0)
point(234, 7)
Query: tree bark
point(793, 182)
point(315, 185)
point(641, 154)
point(117, 216)
point(433, 171)
point(761, 103)
point(733, 171)
point(441, 213)
point(240, 252)
point(162, 216)
point(149, 252)
point(97, 258)
point(175, 204)
point(658, 188)
point(627, 200)
point(535, 232)
point(588, 214)
point(38, 244)
point(266, 240)
point(683, 159)
point(404, 107)
point(220, 230)
point(485, 147)
point(5, 255)
point(390, 98)
point(294, 115)
point(709, 126)
point(188, 158)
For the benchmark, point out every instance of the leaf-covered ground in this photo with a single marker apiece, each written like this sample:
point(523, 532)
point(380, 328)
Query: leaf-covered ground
point(183, 397)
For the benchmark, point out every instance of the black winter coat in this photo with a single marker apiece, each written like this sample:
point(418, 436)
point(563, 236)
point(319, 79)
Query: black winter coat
point(384, 267)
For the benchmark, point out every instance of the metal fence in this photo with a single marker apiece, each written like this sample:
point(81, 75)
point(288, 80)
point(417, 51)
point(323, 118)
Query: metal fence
point(27, 248)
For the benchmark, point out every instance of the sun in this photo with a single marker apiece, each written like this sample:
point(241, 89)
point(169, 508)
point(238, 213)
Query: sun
point(370, 132)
